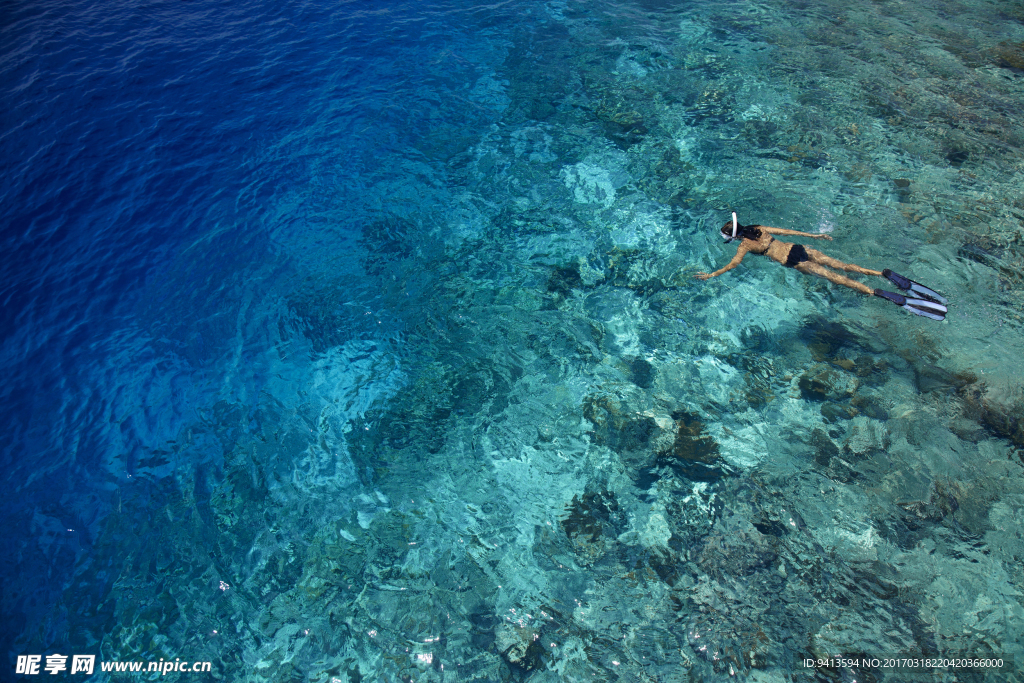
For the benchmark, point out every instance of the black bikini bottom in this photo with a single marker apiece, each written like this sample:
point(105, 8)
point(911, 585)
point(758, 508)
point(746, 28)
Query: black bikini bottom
point(796, 255)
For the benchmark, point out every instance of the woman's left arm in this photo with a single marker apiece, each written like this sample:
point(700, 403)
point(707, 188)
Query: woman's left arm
point(741, 251)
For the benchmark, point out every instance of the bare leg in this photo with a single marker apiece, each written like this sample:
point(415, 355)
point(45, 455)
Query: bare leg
point(825, 260)
point(813, 268)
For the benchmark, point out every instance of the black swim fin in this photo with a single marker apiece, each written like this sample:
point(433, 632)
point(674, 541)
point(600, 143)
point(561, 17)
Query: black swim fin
point(923, 307)
point(916, 288)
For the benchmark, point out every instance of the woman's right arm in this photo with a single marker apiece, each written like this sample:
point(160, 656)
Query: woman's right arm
point(787, 231)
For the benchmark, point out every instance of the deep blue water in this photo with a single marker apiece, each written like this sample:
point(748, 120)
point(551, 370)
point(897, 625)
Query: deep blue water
point(147, 149)
point(359, 341)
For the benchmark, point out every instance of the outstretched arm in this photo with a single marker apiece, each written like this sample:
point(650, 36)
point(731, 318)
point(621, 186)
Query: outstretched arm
point(787, 231)
point(741, 251)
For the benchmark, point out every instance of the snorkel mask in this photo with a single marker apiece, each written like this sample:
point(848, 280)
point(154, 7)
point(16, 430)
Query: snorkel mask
point(735, 227)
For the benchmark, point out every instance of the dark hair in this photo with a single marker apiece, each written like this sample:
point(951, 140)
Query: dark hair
point(751, 232)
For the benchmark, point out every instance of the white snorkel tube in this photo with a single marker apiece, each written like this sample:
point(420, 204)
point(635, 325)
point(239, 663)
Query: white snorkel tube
point(735, 226)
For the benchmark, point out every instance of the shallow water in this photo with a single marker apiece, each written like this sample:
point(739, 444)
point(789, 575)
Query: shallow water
point(361, 341)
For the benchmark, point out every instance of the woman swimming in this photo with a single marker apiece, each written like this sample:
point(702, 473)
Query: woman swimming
point(759, 239)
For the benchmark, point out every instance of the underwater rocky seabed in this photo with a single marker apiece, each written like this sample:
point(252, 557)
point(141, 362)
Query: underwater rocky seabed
point(575, 461)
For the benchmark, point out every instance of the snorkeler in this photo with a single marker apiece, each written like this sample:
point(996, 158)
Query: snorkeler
point(758, 239)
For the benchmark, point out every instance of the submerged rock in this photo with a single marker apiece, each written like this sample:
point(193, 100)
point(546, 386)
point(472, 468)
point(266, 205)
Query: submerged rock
point(827, 339)
point(590, 520)
point(871, 372)
point(730, 644)
point(737, 549)
point(833, 412)
point(519, 647)
point(824, 448)
point(624, 128)
point(870, 406)
point(999, 416)
point(1009, 55)
point(694, 453)
point(637, 436)
point(929, 377)
point(642, 373)
point(821, 382)
point(564, 280)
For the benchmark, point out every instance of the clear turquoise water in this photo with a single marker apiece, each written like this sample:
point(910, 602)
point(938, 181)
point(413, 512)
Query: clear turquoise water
point(360, 341)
